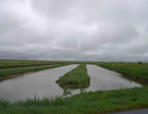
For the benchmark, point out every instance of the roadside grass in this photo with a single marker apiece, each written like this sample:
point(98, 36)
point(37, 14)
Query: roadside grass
point(77, 78)
point(12, 72)
point(91, 102)
point(134, 71)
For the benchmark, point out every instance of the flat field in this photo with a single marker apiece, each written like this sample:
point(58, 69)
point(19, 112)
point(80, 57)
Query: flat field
point(89, 102)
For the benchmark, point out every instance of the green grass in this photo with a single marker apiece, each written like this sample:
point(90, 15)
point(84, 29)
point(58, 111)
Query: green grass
point(27, 63)
point(10, 68)
point(92, 102)
point(134, 71)
point(11, 72)
point(77, 78)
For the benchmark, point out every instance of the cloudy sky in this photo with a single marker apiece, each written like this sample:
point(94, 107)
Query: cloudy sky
point(74, 29)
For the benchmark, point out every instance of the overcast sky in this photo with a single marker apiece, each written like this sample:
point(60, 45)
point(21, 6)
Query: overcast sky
point(73, 29)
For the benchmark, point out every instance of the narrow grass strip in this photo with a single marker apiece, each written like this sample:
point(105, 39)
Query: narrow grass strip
point(77, 78)
point(9, 73)
point(26, 63)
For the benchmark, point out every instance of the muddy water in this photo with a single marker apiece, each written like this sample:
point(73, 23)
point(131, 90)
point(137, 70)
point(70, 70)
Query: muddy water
point(39, 84)
point(103, 79)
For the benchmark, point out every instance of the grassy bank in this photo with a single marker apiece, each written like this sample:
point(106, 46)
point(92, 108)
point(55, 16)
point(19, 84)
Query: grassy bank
point(28, 63)
point(134, 71)
point(92, 102)
point(12, 72)
point(77, 78)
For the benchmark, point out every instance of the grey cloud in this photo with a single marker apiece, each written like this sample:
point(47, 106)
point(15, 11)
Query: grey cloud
point(73, 30)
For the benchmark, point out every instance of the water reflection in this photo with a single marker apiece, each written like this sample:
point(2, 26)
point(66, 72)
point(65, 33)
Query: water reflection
point(104, 79)
point(70, 92)
point(38, 84)
point(42, 84)
point(67, 92)
point(101, 79)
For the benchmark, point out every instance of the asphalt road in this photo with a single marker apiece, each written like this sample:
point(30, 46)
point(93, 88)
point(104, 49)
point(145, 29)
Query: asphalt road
point(139, 111)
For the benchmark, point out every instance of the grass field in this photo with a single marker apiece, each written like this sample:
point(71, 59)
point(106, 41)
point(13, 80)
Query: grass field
point(77, 78)
point(134, 71)
point(27, 63)
point(92, 102)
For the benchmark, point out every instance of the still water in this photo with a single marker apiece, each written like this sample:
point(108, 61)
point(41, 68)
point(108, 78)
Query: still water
point(42, 84)
point(104, 79)
point(39, 84)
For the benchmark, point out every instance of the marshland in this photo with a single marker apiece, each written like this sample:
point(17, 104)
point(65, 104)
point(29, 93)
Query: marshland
point(53, 87)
